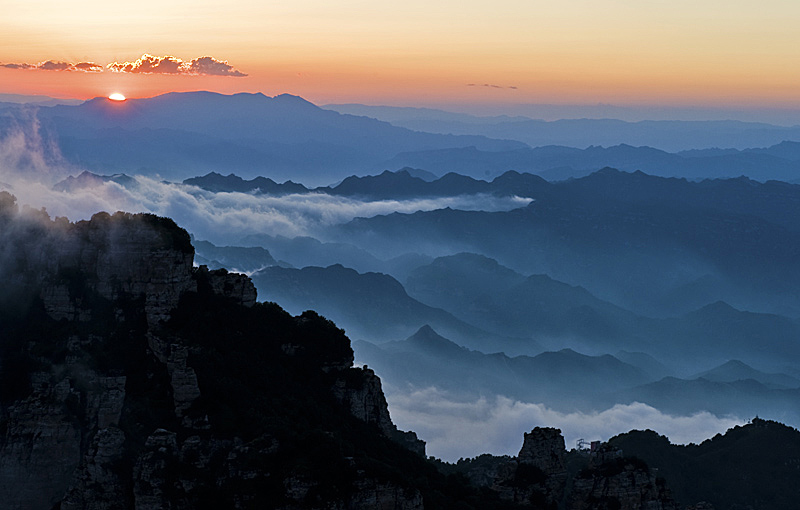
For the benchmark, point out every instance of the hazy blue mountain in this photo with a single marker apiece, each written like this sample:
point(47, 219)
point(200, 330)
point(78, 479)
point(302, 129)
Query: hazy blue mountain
point(646, 362)
point(561, 162)
point(15, 100)
point(740, 398)
point(420, 173)
point(757, 338)
point(460, 282)
point(486, 294)
point(631, 239)
point(302, 251)
point(735, 370)
point(561, 379)
point(88, 180)
point(412, 116)
point(216, 182)
point(670, 135)
point(479, 290)
point(371, 306)
point(786, 150)
point(305, 251)
point(401, 184)
point(285, 137)
point(234, 258)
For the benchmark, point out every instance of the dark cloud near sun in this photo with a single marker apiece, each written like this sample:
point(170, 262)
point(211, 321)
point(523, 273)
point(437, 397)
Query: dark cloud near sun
point(57, 65)
point(491, 86)
point(150, 64)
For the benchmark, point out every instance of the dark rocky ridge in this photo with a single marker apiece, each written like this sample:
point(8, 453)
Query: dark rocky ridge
point(131, 379)
point(544, 475)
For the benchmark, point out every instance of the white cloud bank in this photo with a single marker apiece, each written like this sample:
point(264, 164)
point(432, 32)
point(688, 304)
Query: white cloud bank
point(457, 428)
point(29, 167)
point(228, 217)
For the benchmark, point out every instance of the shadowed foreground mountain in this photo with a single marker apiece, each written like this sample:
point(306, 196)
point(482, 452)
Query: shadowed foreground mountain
point(131, 379)
point(757, 464)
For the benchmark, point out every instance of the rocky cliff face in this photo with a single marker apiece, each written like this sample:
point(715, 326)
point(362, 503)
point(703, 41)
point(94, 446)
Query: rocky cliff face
point(545, 476)
point(130, 379)
point(364, 397)
point(614, 481)
point(537, 476)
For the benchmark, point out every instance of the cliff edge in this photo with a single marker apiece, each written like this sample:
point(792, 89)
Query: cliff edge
point(131, 379)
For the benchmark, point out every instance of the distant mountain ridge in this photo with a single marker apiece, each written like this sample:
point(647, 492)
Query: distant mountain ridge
point(283, 136)
point(286, 137)
point(653, 226)
point(368, 305)
point(555, 163)
point(668, 135)
point(400, 184)
point(561, 379)
point(735, 370)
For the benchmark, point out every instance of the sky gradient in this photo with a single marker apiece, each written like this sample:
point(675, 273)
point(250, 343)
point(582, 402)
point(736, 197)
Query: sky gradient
point(678, 52)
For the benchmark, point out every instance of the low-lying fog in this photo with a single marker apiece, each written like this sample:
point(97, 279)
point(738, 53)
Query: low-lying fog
point(455, 428)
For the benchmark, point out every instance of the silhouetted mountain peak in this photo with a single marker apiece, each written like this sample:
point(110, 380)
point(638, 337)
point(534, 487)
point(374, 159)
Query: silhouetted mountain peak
point(747, 377)
point(290, 99)
point(87, 180)
point(419, 173)
point(735, 363)
point(425, 331)
point(716, 308)
point(427, 340)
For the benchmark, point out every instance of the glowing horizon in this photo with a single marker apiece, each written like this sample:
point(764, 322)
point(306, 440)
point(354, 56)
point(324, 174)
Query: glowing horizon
point(713, 54)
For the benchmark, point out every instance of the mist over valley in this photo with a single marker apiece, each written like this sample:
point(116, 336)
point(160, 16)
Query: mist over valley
point(493, 281)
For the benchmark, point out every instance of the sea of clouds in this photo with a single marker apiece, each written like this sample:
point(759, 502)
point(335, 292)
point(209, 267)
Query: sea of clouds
point(29, 167)
point(228, 217)
point(452, 428)
point(457, 428)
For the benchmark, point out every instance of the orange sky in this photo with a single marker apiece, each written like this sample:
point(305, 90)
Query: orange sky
point(681, 52)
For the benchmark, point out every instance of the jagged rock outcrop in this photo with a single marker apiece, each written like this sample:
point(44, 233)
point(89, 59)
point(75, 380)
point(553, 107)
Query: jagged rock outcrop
point(543, 450)
point(131, 379)
point(620, 483)
point(364, 397)
point(539, 477)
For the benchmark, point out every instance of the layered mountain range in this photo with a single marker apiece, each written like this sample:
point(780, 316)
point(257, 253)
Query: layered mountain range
point(673, 280)
point(131, 379)
point(180, 135)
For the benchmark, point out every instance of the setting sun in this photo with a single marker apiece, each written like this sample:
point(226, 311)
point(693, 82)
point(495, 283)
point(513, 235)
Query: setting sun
point(116, 96)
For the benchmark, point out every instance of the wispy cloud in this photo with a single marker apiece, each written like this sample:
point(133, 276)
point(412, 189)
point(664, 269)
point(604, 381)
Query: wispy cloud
point(458, 428)
point(150, 64)
point(227, 217)
point(30, 165)
point(491, 86)
point(57, 65)
point(147, 64)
